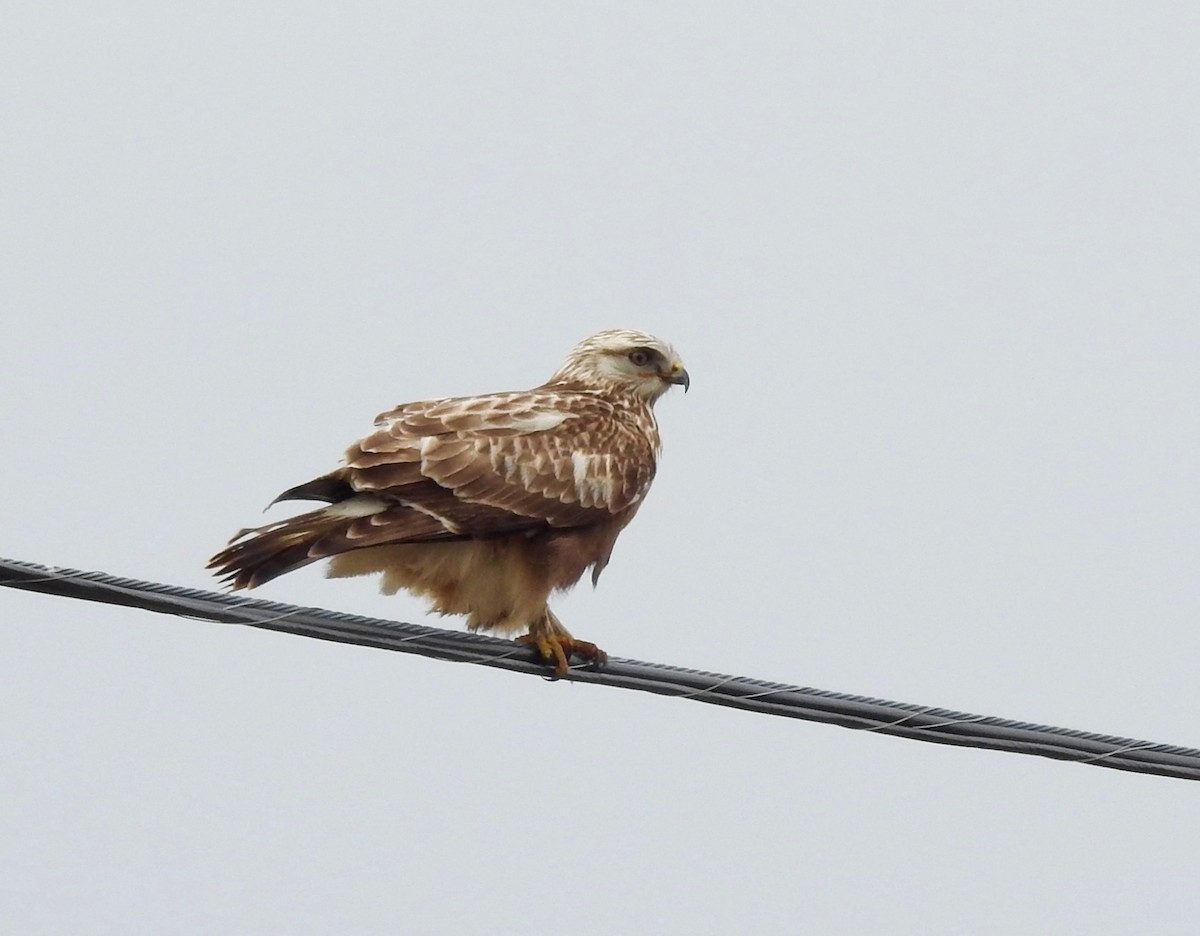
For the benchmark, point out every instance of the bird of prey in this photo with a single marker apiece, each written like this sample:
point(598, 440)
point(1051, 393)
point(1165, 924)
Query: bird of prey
point(487, 504)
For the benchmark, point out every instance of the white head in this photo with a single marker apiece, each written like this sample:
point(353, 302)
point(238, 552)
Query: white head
point(626, 360)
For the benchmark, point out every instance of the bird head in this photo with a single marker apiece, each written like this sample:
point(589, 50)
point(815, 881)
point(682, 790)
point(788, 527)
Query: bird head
point(626, 360)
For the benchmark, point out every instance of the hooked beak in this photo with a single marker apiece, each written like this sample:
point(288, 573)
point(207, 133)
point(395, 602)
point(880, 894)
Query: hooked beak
point(679, 375)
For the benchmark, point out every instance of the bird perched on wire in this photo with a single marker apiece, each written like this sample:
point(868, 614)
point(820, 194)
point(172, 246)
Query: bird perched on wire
point(487, 504)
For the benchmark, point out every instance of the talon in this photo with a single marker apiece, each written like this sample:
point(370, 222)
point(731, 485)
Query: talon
point(589, 651)
point(557, 650)
point(551, 650)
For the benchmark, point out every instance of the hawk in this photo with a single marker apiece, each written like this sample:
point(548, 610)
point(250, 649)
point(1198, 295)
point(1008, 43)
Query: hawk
point(487, 504)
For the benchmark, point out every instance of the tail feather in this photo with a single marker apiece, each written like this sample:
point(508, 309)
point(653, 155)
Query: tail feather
point(258, 555)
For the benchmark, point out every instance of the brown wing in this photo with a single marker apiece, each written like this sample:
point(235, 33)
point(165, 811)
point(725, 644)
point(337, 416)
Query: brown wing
point(507, 462)
point(460, 469)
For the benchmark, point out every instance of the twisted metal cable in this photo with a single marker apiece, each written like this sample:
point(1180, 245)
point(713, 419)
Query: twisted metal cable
point(923, 723)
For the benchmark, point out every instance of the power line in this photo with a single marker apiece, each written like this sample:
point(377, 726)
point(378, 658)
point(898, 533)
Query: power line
point(922, 723)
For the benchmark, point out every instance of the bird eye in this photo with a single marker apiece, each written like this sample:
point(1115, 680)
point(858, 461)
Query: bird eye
point(640, 357)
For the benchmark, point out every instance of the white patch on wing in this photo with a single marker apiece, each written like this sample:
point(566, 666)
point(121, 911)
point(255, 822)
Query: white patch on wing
point(450, 526)
point(603, 489)
point(596, 489)
point(361, 505)
point(538, 421)
point(581, 463)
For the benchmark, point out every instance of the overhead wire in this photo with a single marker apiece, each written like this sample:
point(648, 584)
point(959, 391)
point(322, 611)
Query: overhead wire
point(901, 719)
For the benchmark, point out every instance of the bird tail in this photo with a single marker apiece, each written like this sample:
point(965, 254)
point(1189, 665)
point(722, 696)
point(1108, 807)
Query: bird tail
point(259, 554)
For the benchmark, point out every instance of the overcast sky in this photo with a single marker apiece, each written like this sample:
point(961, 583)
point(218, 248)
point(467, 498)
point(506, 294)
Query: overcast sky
point(934, 269)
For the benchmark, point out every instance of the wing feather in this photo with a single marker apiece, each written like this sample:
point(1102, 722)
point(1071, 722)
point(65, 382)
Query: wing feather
point(574, 454)
point(380, 476)
point(562, 459)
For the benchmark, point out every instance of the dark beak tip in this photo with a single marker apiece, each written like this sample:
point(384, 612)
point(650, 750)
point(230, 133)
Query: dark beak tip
point(680, 379)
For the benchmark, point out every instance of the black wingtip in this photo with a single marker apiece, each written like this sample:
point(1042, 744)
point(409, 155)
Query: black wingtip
point(328, 489)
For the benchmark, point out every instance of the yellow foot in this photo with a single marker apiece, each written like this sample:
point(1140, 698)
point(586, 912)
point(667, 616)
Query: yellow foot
point(557, 649)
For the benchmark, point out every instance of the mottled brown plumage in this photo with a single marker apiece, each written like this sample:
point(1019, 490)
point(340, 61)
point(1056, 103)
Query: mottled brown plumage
point(486, 505)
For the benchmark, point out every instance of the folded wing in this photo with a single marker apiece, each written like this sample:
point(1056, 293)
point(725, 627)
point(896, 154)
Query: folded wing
point(459, 469)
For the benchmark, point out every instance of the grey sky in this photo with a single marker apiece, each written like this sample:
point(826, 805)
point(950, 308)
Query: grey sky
point(934, 271)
